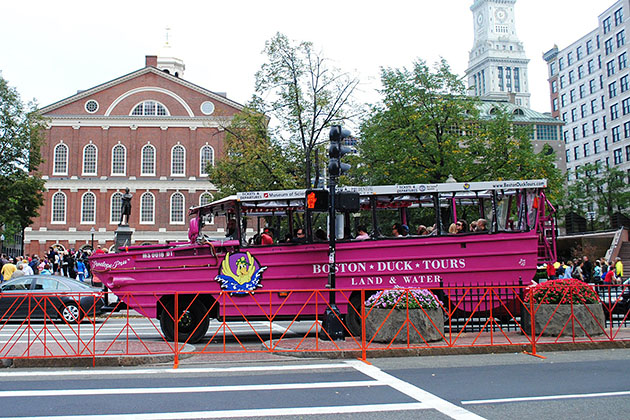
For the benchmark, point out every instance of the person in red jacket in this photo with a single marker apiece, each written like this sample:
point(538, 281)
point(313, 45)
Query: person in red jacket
point(266, 237)
point(610, 276)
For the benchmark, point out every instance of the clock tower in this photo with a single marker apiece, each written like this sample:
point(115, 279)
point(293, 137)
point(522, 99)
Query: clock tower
point(497, 63)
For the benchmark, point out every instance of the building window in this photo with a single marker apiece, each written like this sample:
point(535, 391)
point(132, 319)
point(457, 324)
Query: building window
point(583, 110)
point(616, 134)
point(589, 46)
point(575, 133)
point(517, 79)
point(206, 157)
point(576, 152)
point(147, 208)
point(617, 157)
point(564, 117)
point(594, 105)
point(90, 154)
point(606, 143)
point(591, 66)
point(625, 106)
point(618, 17)
point(573, 114)
point(561, 64)
point(610, 68)
point(500, 71)
point(614, 112)
point(608, 46)
point(626, 129)
point(579, 52)
point(565, 136)
point(606, 25)
point(572, 95)
point(627, 153)
point(612, 90)
point(592, 85)
point(150, 108)
point(623, 83)
point(596, 146)
point(569, 58)
point(58, 207)
point(584, 130)
point(88, 208)
point(552, 68)
point(91, 106)
point(206, 198)
point(148, 160)
point(554, 86)
point(571, 76)
point(563, 99)
point(119, 160)
point(567, 156)
point(595, 126)
point(582, 91)
point(587, 149)
point(621, 38)
point(60, 158)
point(546, 132)
point(115, 208)
point(562, 82)
point(623, 61)
point(177, 208)
point(580, 72)
point(555, 104)
point(178, 160)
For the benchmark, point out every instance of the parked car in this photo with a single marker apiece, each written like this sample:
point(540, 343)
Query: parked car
point(48, 296)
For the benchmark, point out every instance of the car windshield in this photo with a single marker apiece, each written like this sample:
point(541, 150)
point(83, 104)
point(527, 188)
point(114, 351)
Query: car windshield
point(18, 284)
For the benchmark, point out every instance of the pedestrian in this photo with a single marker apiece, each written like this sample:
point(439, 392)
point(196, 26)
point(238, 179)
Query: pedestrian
point(267, 237)
point(80, 269)
point(619, 268)
point(587, 269)
point(18, 273)
point(8, 269)
point(28, 271)
point(34, 264)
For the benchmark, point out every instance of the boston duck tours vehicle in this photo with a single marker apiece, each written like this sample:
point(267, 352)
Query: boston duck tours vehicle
point(419, 236)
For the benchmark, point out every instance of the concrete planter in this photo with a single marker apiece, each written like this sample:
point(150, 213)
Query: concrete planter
point(429, 329)
point(588, 320)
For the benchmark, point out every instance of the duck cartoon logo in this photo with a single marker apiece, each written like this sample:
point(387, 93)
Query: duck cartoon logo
point(240, 272)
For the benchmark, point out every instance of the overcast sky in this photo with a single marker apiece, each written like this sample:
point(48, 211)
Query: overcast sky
point(51, 49)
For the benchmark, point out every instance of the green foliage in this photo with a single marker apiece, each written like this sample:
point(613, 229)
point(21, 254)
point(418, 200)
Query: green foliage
point(603, 190)
point(427, 128)
point(21, 137)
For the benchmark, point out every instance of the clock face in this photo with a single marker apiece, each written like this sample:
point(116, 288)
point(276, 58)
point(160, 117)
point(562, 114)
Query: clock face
point(501, 14)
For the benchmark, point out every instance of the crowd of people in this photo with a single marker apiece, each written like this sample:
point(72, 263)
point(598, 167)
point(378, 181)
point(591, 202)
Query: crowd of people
point(69, 263)
point(599, 272)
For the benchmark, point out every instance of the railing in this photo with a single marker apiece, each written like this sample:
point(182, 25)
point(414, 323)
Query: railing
point(615, 245)
point(463, 317)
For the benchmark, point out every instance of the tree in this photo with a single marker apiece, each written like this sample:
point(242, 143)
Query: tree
point(426, 128)
point(305, 95)
point(254, 160)
point(21, 136)
point(603, 190)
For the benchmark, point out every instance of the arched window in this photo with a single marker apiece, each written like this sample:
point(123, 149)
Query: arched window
point(177, 208)
point(90, 154)
point(178, 160)
point(58, 207)
point(148, 108)
point(148, 160)
point(88, 208)
point(119, 160)
point(115, 208)
point(204, 199)
point(60, 160)
point(206, 157)
point(147, 208)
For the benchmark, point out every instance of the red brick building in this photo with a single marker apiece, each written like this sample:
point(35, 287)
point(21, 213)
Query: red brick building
point(149, 130)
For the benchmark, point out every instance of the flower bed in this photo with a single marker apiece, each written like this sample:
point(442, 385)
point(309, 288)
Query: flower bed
point(564, 307)
point(404, 315)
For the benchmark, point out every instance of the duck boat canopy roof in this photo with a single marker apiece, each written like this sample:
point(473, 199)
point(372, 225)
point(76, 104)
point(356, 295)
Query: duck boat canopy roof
point(395, 193)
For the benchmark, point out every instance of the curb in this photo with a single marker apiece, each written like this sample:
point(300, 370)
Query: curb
point(98, 361)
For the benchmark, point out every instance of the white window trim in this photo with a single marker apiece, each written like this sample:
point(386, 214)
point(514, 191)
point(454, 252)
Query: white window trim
point(65, 172)
point(183, 221)
point(112, 164)
point(84, 222)
point(172, 150)
point(142, 160)
point(52, 208)
point(83, 173)
point(152, 210)
point(111, 206)
point(211, 216)
point(201, 165)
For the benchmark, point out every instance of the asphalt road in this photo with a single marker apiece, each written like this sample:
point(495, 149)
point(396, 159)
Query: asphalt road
point(577, 385)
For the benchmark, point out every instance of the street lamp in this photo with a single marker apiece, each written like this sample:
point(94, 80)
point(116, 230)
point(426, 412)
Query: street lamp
point(591, 215)
point(92, 232)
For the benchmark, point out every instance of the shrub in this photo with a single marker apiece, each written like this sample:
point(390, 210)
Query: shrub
point(562, 291)
point(398, 298)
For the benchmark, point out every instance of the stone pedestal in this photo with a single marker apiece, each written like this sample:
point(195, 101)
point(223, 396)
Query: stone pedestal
point(122, 238)
point(555, 320)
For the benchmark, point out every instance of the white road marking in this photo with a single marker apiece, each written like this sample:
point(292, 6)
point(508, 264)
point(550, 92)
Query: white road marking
point(185, 390)
point(548, 397)
point(414, 392)
point(113, 372)
point(256, 412)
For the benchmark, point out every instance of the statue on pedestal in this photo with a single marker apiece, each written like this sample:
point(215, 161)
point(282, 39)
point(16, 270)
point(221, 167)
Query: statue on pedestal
point(125, 209)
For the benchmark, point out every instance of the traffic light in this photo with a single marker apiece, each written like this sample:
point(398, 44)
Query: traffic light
point(317, 200)
point(336, 151)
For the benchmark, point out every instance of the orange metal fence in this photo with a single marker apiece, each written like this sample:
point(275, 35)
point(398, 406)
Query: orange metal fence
point(37, 326)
